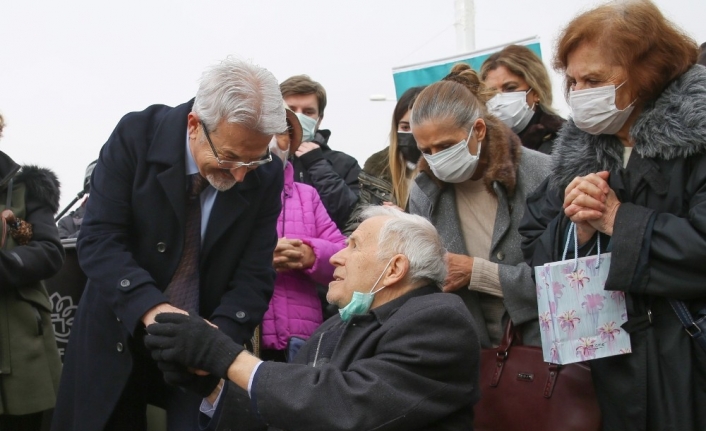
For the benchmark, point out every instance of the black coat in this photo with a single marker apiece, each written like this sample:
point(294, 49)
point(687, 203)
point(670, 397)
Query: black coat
point(333, 174)
point(541, 132)
point(658, 252)
point(399, 367)
point(130, 244)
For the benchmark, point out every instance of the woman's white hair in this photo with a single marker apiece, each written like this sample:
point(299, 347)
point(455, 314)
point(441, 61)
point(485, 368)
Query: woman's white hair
point(240, 92)
point(413, 236)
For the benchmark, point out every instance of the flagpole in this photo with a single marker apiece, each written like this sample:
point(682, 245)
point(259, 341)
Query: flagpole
point(465, 26)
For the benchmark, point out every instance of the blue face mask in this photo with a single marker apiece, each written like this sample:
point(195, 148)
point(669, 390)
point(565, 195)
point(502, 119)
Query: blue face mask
point(361, 302)
point(308, 127)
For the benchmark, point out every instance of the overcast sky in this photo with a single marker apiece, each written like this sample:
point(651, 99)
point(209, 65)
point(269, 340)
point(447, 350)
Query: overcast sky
point(71, 69)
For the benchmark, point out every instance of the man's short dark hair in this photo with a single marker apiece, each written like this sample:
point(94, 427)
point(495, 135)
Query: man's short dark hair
point(303, 85)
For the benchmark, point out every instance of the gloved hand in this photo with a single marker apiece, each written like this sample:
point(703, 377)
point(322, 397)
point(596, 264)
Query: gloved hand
point(179, 375)
point(191, 342)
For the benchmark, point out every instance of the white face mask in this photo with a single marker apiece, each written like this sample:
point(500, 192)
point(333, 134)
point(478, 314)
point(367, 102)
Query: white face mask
point(275, 150)
point(308, 127)
point(512, 109)
point(594, 110)
point(455, 164)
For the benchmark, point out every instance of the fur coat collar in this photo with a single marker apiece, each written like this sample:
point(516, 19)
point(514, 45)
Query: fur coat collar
point(672, 126)
point(504, 150)
point(42, 184)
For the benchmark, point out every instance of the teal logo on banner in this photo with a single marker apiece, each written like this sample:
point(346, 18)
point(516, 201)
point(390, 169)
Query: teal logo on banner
point(427, 73)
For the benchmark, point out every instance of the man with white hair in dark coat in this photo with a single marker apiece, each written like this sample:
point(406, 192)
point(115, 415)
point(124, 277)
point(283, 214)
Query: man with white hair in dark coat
point(400, 355)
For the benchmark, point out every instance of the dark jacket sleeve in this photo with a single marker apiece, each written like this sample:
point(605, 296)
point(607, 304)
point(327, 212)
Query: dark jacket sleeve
point(652, 248)
point(41, 258)
point(127, 288)
point(542, 217)
point(400, 387)
point(336, 180)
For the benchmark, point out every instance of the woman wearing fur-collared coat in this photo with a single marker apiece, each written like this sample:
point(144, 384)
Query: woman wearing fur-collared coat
point(29, 360)
point(634, 172)
point(475, 177)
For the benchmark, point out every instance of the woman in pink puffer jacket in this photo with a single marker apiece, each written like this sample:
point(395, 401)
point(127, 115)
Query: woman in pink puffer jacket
point(308, 239)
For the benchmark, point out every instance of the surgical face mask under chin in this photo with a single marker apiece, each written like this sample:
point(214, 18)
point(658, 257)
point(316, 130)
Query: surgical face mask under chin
point(361, 302)
point(308, 127)
point(512, 109)
point(455, 164)
point(594, 110)
point(275, 150)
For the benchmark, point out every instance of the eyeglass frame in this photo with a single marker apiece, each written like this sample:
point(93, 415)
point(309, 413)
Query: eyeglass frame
point(230, 164)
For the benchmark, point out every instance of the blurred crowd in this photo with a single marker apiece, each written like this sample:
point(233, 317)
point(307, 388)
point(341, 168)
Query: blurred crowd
point(244, 274)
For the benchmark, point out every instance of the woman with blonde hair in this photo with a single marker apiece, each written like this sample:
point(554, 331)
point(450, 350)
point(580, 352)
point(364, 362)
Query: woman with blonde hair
point(473, 181)
point(524, 98)
point(630, 168)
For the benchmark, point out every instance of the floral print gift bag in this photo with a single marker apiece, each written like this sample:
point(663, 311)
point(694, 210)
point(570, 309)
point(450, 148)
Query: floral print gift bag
point(579, 320)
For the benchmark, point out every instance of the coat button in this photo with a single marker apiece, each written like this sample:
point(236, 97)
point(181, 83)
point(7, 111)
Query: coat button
point(500, 255)
point(125, 283)
point(240, 314)
point(119, 347)
point(118, 319)
point(161, 247)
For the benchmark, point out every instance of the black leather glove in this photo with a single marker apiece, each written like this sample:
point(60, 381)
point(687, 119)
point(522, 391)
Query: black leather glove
point(191, 342)
point(179, 375)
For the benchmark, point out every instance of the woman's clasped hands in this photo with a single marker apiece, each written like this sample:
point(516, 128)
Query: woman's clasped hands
point(591, 204)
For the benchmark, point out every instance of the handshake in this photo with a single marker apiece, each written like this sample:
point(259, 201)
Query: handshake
point(182, 343)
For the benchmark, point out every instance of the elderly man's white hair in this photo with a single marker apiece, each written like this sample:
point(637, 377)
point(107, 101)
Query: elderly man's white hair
point(242, 93)
point(413, 236)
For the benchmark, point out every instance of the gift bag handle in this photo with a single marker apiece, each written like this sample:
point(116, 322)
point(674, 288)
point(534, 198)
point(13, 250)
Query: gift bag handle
point(572, 229)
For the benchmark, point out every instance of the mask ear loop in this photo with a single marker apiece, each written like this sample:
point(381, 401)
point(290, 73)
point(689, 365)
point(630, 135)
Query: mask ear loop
point(380, 278)
point(526, 93)
point(631, 103)
point(468, 138)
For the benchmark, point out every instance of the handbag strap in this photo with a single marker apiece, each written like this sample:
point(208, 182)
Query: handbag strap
point(687, 320)
point(502, 352)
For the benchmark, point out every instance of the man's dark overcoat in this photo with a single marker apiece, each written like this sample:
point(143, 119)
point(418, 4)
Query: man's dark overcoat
point(130, 245)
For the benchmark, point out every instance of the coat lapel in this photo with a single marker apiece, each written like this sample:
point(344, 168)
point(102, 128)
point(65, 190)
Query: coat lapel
point(173, 183)
point(502, 217)
point(227, 208)
point(168, 150)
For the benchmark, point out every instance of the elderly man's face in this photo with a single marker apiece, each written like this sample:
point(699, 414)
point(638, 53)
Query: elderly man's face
point(233, 142)
point(357, 265)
